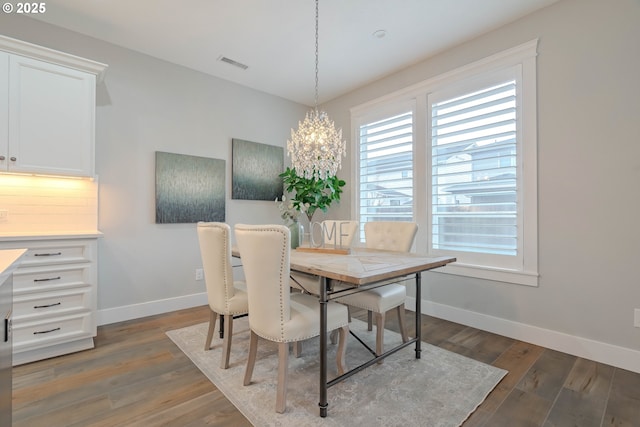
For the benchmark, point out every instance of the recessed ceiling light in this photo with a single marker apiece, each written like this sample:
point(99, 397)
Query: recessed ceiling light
point(379, 34)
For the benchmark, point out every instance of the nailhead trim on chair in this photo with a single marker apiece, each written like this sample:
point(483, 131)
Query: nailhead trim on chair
point(225, 264)
point(283, 251)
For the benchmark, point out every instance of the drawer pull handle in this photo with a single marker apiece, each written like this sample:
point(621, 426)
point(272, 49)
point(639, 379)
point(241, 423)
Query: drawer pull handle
point(48, 305)
point(47, 279)
point(46, 332)
point(7, 326)
point(49, 254)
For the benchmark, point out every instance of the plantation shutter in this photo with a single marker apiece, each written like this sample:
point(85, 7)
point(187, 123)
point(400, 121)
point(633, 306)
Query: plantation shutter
point(386, 169)
point(474, 174)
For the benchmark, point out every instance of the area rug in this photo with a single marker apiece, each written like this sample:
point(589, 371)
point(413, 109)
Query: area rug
point(440, 389)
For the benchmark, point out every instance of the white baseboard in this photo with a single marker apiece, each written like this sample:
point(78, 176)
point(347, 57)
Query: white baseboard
point(151, 308)
point(609, 354)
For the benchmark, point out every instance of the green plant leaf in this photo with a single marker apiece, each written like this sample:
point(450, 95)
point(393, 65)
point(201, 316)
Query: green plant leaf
point(310, 194)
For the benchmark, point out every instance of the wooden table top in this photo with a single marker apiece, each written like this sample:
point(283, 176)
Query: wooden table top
point(363, 266)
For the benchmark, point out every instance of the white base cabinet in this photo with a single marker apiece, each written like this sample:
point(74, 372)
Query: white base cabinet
point(54, 297)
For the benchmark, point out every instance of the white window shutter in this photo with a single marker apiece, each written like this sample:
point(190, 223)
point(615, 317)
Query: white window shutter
point(386, 169)
point(474, 172)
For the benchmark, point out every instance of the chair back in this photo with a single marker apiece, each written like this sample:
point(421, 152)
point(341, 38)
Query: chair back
point(265, 251)
point(390, 235)
point(333, 229)
point(215, 249)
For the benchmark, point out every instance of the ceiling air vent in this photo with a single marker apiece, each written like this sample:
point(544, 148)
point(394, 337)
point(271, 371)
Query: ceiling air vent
point(232, 62)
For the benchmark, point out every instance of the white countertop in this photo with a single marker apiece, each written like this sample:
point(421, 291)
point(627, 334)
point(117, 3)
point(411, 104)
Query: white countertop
point(39, 235)
point(9, 261)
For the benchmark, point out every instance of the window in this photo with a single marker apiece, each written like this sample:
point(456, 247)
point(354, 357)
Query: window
point(386, 170)
point(457, 154)
point(474, 173)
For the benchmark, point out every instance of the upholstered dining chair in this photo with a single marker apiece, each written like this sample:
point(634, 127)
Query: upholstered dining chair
point(226, 297)
point(334, 232)
point(276, 314)
point(390, 236)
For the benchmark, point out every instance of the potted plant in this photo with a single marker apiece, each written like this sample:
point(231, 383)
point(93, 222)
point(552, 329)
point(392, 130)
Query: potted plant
point(310, 194)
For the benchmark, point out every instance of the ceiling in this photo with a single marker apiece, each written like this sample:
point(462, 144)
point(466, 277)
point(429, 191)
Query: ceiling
point(276, 38)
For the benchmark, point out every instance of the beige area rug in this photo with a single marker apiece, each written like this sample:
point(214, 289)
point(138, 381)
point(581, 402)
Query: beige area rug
point(440, 389)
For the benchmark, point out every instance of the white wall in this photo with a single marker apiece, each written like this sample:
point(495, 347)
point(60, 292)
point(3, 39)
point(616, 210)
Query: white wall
point(147, 105)
point(588, 173)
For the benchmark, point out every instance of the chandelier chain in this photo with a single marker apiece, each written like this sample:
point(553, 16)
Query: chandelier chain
point(316, 99)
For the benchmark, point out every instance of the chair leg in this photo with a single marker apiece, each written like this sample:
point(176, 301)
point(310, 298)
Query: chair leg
point(251, 360)
point(342, 349)
point(283, 367)
point(349, 313)
point(333, 337)
point(403, 328)
point(297, 349)
point(380, 334)
point(212, 326)
point(369, 320)
point(226, 341)
point(221, 327)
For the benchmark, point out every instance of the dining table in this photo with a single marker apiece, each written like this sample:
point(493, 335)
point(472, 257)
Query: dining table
point(361, 269)
point(356, 270)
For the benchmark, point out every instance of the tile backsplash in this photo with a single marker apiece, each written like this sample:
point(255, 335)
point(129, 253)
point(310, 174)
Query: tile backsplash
point(47, 204)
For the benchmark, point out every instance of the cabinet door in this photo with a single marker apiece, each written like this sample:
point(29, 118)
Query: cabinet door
point(6, 358)
point(4, 109)
point(51, 118)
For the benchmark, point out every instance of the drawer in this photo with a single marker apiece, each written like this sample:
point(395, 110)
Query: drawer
point(72, 252)
point(32, 306)
point(48, 252)
point(40, 279)
point(53, 331)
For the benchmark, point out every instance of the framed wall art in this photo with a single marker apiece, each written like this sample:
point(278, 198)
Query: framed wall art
point(189, 188)
point(255, 169)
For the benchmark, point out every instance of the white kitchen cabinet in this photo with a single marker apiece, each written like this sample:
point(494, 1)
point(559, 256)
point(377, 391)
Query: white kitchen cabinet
point(54, 296)
point(9, 260)
point(51, 119)
point(4, 107)
point(48, 103)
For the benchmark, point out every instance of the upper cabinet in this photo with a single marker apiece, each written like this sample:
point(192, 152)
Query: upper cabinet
point(51, 119)
point(47, 110)
point(4, 107)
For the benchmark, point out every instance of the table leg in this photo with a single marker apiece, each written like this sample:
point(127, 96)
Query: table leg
point(323, 404)
point(418, 313)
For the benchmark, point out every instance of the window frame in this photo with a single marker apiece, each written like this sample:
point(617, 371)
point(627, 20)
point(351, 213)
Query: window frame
point(520, 60)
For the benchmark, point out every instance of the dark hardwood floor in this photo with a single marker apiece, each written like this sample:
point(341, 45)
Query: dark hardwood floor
point(136, 376)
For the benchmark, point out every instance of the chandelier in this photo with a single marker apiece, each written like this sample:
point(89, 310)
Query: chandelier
point(317, 147)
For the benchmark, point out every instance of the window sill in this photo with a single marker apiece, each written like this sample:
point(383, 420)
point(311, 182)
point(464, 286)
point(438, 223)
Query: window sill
point(487, 273)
